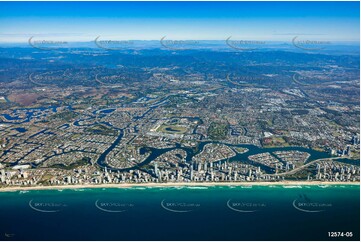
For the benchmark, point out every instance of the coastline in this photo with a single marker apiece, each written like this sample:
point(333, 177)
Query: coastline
point(175, 184)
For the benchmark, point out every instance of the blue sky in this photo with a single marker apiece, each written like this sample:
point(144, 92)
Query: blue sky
point(83, 21)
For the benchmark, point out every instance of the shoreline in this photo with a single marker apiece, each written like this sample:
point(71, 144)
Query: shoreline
point(175, 184)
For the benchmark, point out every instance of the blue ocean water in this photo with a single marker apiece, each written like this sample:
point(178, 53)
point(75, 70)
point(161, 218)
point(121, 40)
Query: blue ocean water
point(182, 213)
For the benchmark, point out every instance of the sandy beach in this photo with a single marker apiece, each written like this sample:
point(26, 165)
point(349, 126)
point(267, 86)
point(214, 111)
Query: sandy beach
point(175, 184)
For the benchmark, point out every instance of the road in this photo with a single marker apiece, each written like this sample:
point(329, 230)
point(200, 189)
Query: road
point(304, 166)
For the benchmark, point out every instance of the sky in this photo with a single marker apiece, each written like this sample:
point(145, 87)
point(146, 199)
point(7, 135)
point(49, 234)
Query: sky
point(271, 21)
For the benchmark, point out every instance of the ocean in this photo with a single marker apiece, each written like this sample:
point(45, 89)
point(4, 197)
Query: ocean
point(182, 213)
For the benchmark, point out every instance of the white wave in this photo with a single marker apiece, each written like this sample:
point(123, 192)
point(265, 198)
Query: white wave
point(292, 186)
point(201, 188)
point(172, 188)
point(140, 188)
point(178, 187)
point(78, 190)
